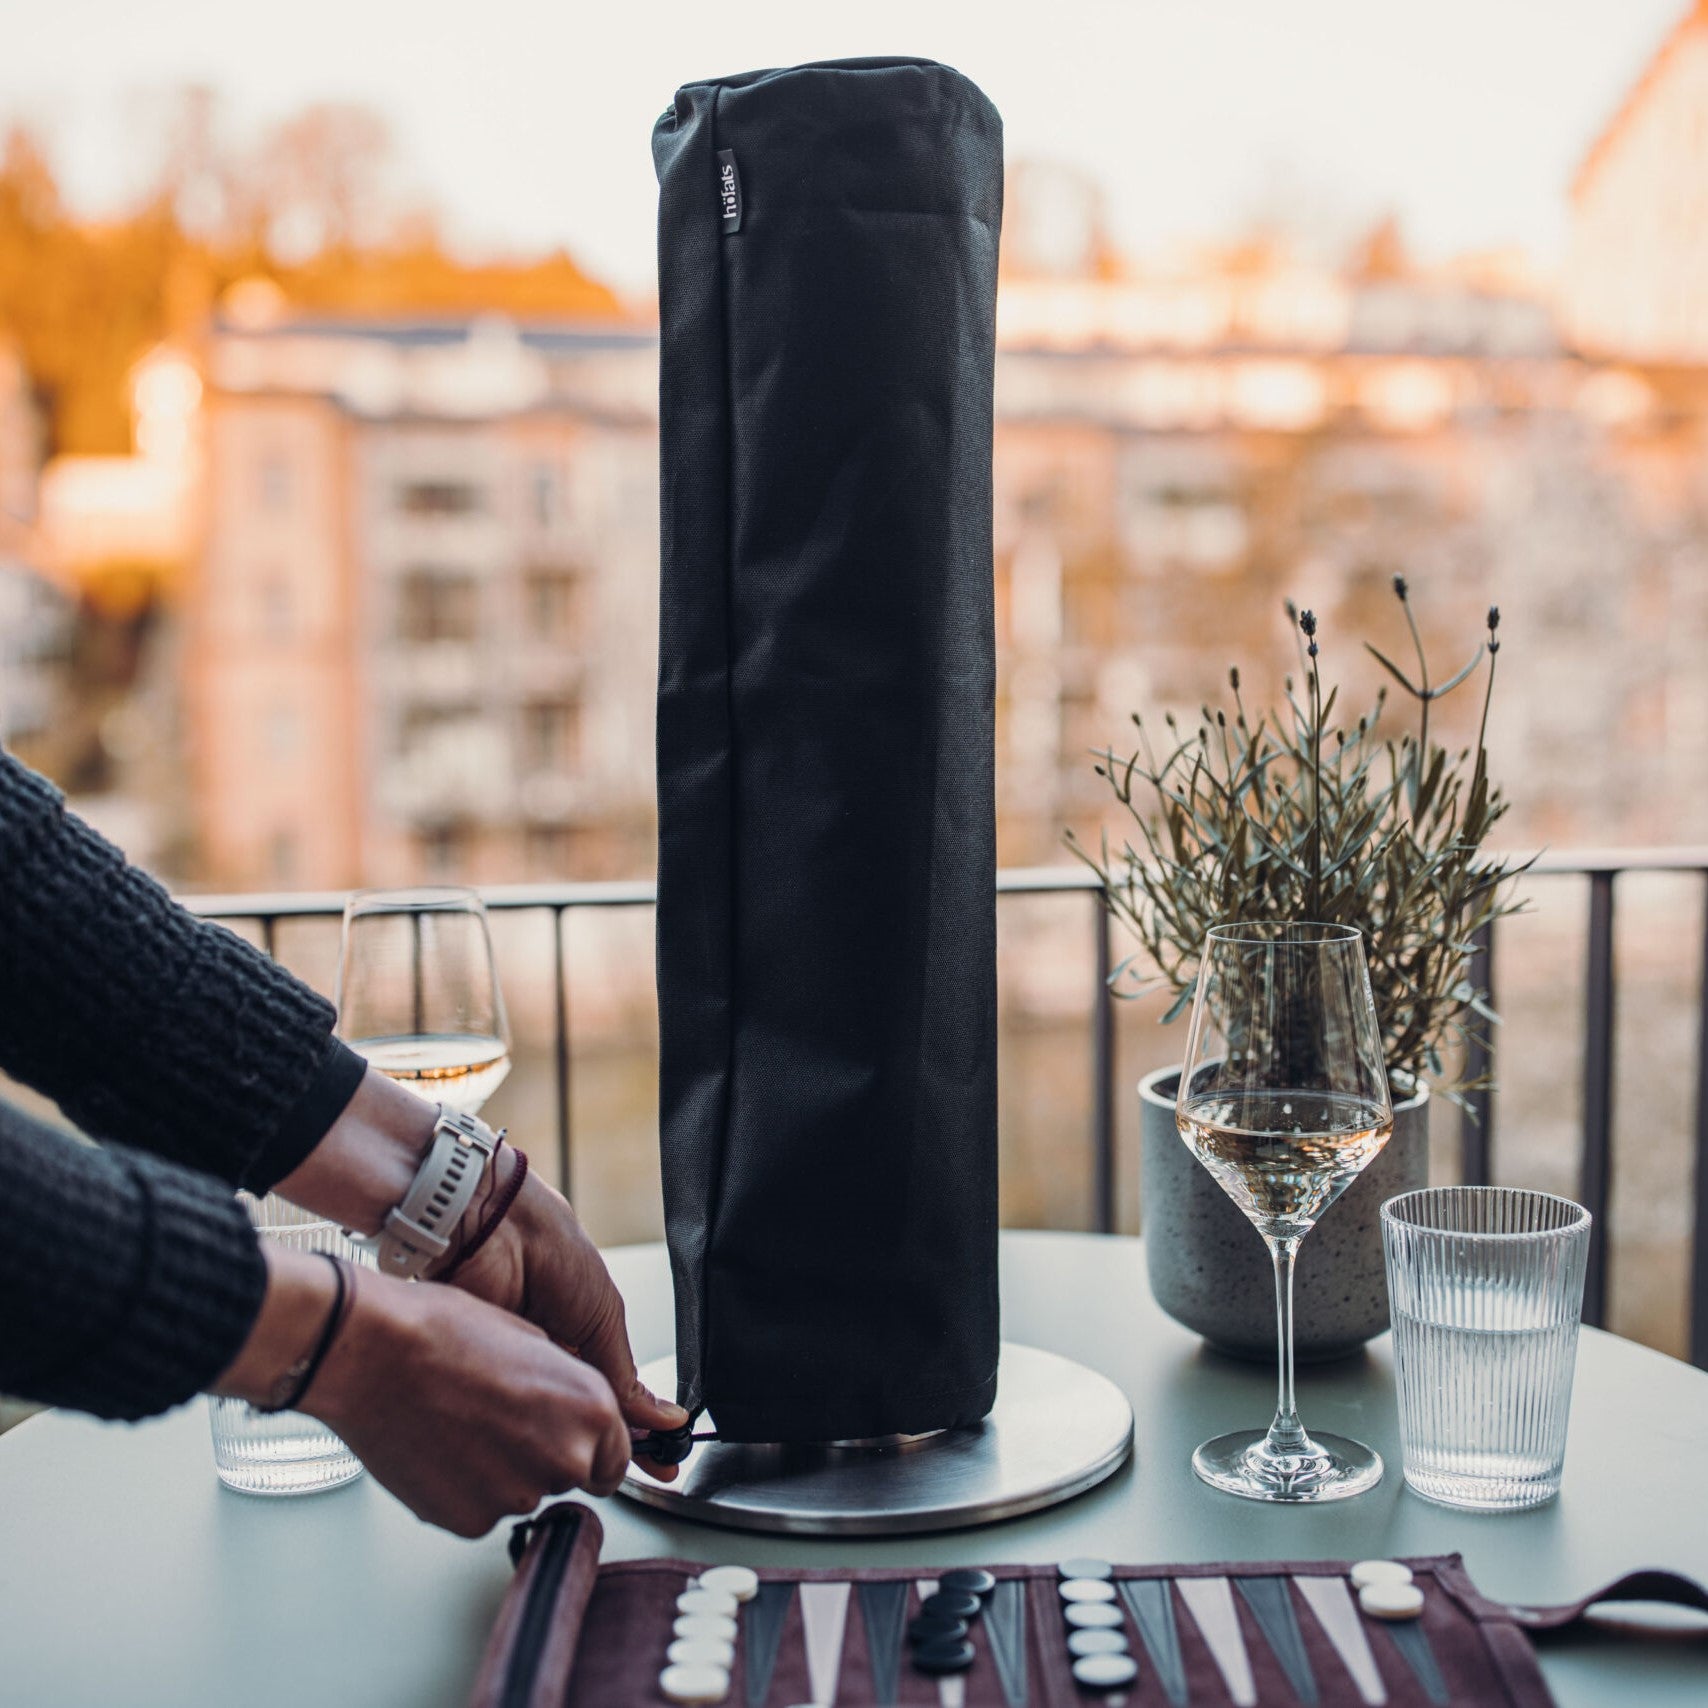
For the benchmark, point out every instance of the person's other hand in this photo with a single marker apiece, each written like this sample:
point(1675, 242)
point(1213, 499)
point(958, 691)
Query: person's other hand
point(467, 1414)
point(540, 1264)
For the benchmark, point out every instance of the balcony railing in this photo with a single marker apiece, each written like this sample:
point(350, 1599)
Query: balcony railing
point(1477, 1124)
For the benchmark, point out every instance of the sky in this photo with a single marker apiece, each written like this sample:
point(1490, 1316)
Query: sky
point(528, 124)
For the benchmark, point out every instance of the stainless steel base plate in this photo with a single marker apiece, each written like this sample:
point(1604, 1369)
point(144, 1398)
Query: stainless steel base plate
point(1056, 1429)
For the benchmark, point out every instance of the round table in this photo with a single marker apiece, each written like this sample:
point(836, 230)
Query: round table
point(129, 1575)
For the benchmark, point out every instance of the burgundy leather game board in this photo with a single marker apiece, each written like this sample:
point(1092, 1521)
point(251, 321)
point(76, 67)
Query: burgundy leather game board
point(575, 1634)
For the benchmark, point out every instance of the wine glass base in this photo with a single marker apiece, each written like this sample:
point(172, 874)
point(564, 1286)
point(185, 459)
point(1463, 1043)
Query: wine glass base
point(1331, 1468)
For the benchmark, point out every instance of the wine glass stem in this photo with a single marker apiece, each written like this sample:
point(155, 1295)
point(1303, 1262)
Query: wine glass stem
point(1286, 1433)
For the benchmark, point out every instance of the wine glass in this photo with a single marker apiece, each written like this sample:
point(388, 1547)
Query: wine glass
point(418, 993)
point(1284, 1099)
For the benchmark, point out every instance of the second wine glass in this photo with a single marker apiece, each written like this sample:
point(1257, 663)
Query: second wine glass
point(418, 994)
point(1284, 1099)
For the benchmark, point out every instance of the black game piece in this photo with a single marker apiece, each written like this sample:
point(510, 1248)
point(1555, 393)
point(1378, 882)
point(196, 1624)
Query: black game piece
point(953, 1604)
point(973, 1579)
point(940, 1658)
point(937, 1628)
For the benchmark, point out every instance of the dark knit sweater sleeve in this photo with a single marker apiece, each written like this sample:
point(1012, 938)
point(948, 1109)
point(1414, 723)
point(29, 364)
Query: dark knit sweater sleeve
point(144, 1023)
point(127, 1284)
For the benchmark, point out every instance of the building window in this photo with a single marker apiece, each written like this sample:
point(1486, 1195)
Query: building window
point(440, 498)
point(544, 497)
point(282, 857)
point(281, 732)
point(275, 483)
point(550, 597)
point(444, 851)
point(434, 606)
point(277, 613)
point(550, 735)
point(430, 729)
point(550, 851)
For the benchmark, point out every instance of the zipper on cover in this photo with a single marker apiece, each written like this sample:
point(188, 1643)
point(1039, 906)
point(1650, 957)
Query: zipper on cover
point(536, 1621)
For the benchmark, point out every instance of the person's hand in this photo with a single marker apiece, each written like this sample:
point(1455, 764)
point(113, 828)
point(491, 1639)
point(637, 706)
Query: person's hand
point(540, 1264)
point(464, 1412)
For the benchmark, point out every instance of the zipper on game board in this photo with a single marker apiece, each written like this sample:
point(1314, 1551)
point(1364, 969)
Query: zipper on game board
point(536, 1621)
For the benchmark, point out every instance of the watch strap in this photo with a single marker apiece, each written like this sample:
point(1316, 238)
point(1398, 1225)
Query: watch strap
point(418, 1231)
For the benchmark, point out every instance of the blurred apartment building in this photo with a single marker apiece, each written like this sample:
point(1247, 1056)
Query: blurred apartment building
point(414, 562)
point(420, 628)
point(35, 615)
point(421, 621)
point(1639, 233)
point(1182, 449)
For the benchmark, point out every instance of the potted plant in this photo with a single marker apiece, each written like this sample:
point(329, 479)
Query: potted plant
point(1291, 815)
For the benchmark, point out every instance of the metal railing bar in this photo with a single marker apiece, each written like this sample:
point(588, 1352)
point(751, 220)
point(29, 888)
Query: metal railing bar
point(1013, 880)
point(1577, 862)
point(1103, 1075)
point(269, 924)
point(560, 1046)
point(1476, 1117)
point(322, 904)
point(1595, 1183)
point(1699, 1228)
point(1045, 880)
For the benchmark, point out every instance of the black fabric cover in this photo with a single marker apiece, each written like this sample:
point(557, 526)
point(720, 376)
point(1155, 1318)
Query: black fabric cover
point(826, 909)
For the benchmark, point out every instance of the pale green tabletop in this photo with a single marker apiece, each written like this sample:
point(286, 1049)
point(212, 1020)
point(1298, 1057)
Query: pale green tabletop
point(129, 1577)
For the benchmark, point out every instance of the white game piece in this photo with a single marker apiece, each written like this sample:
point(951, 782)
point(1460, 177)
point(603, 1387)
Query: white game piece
point(740, 1581)
point(1391, 1600)
point(710, 1625)
point(701, 1651)
point(1093, 1616)
point(1088, 1589)
point(1367, 1572)
point(694, 1684)
point(1096, 1643)
point(1105, 1672)
point(706, 1601)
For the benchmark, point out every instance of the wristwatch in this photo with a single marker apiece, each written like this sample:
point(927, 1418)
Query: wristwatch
point(418, 1231)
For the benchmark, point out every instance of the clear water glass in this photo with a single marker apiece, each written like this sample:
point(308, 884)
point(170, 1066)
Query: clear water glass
point(1486, 1286)
point(287, 1452)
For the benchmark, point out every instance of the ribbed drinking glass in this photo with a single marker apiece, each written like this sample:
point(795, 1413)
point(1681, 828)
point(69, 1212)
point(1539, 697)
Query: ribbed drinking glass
point(283, 1452)
point(1486, 1287)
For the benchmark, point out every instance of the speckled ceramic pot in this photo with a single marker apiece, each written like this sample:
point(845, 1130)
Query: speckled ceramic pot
point(1210, 1269)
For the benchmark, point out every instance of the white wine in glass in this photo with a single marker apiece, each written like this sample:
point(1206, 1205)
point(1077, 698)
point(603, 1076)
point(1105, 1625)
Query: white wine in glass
point(418, 994)
point(1284, 1099)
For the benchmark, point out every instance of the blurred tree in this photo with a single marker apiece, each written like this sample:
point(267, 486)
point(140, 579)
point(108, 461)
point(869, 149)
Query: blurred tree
point(315, 206)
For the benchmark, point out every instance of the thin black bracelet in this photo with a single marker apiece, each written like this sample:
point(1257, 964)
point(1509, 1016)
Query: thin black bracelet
point(295, 1383)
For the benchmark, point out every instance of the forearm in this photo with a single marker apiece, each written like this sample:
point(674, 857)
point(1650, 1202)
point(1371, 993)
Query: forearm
point(126, 1283)
point(145, 1024)
point(300, 1294)
point(364, 1164)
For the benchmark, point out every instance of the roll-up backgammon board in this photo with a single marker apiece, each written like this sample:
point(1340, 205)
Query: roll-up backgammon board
point(644, 1633)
